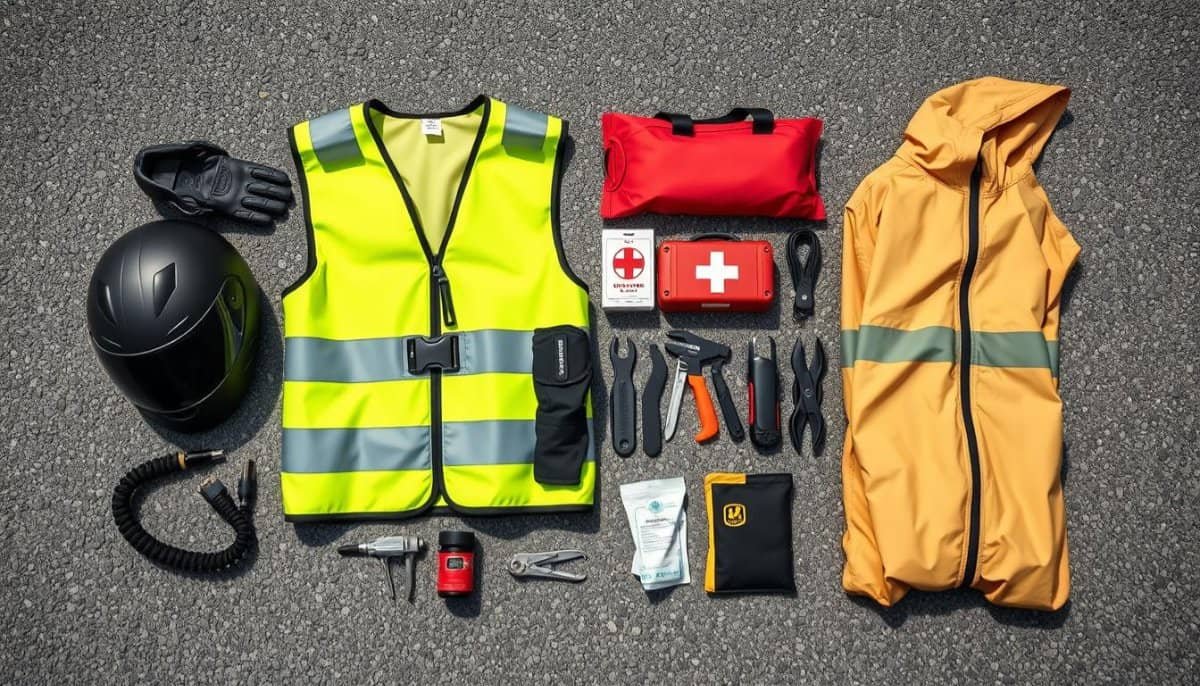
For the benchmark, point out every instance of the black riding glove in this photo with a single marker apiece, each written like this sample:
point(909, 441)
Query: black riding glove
point(198, 177)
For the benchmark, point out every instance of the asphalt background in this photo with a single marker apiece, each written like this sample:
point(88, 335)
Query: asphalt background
point(84, 85)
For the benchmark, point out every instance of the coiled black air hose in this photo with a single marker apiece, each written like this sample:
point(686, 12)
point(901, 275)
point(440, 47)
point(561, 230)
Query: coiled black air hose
point(239, 517)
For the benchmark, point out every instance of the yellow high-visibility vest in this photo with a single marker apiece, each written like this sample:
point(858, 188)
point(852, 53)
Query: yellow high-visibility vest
point(434, 254)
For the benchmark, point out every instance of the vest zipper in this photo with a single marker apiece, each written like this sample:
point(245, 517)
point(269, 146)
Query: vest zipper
point(435, 380)
point(441, 306)
point(443, 287)
point(964, 371)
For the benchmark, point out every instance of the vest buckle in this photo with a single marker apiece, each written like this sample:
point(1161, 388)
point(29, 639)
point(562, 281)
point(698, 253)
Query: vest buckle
point(438, 352)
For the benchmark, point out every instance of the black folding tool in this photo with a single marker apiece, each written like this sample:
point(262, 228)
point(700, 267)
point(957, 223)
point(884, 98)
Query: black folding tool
point(806, 397)
point(652, 435)
point(729, 411)
point(623, 399)
point(763, 381)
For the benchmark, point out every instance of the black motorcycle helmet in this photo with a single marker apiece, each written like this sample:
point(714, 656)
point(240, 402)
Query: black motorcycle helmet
point(173, 313)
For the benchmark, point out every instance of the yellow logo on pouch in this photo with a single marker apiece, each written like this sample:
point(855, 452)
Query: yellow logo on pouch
point(734, 514)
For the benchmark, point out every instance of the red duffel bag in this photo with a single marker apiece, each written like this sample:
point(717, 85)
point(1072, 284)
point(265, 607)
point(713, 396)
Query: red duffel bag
point(672, 164)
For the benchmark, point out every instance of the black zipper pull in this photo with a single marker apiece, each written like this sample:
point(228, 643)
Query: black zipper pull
point(443, 284)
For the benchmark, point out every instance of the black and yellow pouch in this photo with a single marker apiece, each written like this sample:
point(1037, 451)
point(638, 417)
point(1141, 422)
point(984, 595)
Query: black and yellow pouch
point(562, 373)
point(749, 533)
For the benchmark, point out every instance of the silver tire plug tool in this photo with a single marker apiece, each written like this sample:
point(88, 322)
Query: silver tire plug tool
point(541, 565)
point(386, 548)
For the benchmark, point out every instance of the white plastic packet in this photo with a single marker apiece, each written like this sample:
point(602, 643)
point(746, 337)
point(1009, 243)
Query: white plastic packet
point(658, 522)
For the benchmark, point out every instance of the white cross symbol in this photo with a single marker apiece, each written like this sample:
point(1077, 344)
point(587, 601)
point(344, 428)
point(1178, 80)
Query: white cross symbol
point(717, 272)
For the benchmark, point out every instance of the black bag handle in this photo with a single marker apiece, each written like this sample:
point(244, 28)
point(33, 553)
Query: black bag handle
point(681, 124)
point(684, 125)
point(715, 236)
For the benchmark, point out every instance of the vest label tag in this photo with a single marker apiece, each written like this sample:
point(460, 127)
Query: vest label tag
point(431, 127)
point(560, 358)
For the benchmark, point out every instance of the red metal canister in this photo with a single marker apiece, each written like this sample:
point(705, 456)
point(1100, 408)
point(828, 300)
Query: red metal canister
point(456, 564)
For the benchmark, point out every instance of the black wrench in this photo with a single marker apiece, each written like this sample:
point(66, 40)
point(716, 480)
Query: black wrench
point(623, 399)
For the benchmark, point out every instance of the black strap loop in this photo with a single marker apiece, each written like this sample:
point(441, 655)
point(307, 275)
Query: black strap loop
point(714, 236)
point(804, 274)
point(764, 121)
point(683, 125)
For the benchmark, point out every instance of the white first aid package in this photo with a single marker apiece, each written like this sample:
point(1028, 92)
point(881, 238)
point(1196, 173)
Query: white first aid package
point(658, 522)
point(627, 262)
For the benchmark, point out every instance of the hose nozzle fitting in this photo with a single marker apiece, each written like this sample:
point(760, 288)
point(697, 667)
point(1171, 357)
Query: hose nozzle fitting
point(201, 458)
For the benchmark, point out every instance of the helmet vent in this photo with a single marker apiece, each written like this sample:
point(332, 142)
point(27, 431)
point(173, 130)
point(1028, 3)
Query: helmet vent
point(106, 304)
point(164, 286)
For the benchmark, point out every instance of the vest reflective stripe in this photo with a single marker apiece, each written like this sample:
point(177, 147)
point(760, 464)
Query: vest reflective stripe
point(363, 437)
point(385, 359)
point(493, 443)
point(333, 139)
point(524, 129)
point(356, 450)
point(365, 450)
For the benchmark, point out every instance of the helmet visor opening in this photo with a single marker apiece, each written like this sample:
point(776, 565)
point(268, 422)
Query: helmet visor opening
point(182, 373)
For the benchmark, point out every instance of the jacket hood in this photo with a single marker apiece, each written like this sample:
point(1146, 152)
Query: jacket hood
point(1005, 122)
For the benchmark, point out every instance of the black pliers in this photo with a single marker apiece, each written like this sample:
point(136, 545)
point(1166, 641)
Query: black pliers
point(806, 397)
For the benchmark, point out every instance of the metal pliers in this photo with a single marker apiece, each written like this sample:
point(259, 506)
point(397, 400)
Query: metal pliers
point(535, 564)
point(806, 397)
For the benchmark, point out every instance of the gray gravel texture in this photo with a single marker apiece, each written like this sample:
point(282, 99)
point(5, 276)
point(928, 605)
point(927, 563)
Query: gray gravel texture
point(84, 85)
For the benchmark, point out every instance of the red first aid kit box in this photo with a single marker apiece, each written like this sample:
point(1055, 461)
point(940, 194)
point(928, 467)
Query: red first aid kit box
point(715, 273)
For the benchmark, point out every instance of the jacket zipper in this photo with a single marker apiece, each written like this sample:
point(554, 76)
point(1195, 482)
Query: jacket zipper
point(964, 371)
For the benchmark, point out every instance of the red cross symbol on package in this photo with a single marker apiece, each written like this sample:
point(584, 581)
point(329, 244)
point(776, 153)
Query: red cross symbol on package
point(628, 263)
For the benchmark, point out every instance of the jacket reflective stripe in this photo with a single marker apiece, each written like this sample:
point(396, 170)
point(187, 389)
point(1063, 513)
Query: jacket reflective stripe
point(400, 448)
point(939, 344)
point(1015, 349)
point(883, 344)
point(385, 359)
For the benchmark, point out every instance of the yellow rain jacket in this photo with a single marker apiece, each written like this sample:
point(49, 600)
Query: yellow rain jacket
point(952, 270)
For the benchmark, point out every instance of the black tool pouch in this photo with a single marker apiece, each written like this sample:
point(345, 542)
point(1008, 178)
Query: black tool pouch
point(749, 533)
point(562, 372)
